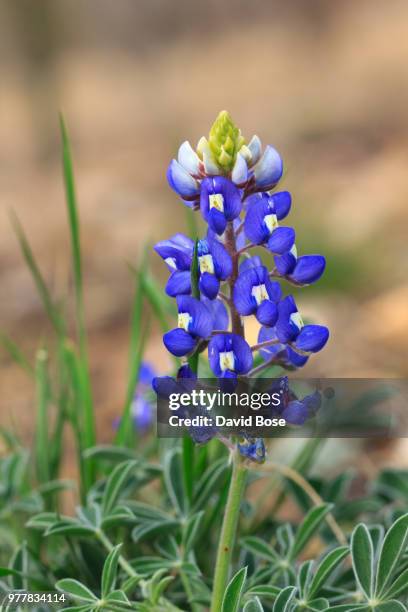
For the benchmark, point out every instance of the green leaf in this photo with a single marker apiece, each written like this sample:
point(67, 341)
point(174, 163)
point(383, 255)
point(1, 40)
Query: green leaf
point(350, 608)
point(284, 599)
point(266, 591)
point(16, 353)
point(311, 523)
point(304, 577)
point(109, 453)
point(174, 481)
point(89, 435)
point(398, 587)
point(117, 596)
point(208, 483)
point(190, 532)
point(51, 310)
point(233, 592)
point(19, 565)
point(121, 515)
point(75, 589)
point(115, 485)
point(326, 568)
point(153, 528)
point(110, 568)
point(43, 521)
point(68, 528)
point(146, 566)
point(393, 547)
point(259, 548)
point(362, 554)
point(253, 605)
point(41, 426)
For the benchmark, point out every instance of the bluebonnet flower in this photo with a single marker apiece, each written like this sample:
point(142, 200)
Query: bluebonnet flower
point(252, 448)
point(220, 202)
point(254, 293)
point(261, 221)
point(177, 252)
point(290, 328)
point(229, 355)
point(215, 265)
point(232, 182)
point(303, 270)
point(194, 323)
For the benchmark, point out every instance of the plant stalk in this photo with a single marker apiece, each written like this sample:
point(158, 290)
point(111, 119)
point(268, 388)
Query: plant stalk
point(228, 531)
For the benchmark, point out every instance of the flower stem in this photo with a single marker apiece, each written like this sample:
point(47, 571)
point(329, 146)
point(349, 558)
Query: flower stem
point(228, 531)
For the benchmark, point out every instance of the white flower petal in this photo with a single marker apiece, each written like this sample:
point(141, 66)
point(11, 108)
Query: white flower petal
point(181, 181)
point(239, 173)
point(255, 147)
point(188, 158)
point(269, 169)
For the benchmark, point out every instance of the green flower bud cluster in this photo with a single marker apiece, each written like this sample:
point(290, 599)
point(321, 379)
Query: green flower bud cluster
point(225, 141)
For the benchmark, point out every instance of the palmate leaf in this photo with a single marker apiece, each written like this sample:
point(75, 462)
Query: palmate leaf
point(362, 554)
point(393, 547)
point(209, 483)
point(304, 577)
point(233, 592)
point(391, 606)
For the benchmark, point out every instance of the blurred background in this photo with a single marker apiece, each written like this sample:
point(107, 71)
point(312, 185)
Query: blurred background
point(325, 82)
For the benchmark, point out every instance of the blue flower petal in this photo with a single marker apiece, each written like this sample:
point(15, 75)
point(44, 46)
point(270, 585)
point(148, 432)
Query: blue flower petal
point(243, 354)
point(285, 263)
point(217, 221)
point(218, 312)
point(221, 258)
point(295, 359)
point(181, 181)
point(179, 283)
point(282, 202)
point(254, 225)
point(146, 373)
point(308, 269)
point(179, 342)
point(201, 320)
point(296, 413)
point(282, 239)
point(267, 313)
point(286, 330)
point(177, 251)
point(269, 169)
point(209, 285)
point(226, 343)
point(312, 338)
point(250, 262)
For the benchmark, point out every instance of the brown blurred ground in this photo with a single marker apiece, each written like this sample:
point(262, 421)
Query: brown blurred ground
point(325, 82)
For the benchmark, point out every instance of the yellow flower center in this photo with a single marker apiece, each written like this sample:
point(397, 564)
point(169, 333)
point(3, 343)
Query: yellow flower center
point(217, 201)
point(271, 222)
point(227, 360)
point(260, 293)
point(184, 320)
point(206, 264)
